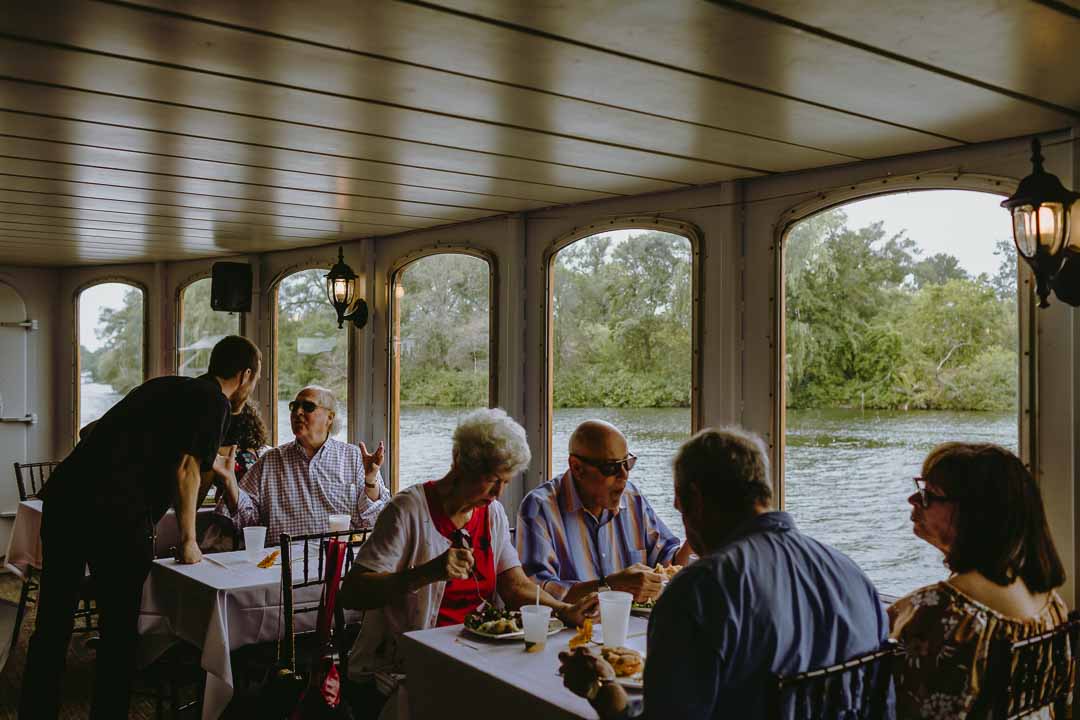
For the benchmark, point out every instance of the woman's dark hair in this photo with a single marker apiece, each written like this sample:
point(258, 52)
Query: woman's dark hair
point(1001, 528)
point(246, 429)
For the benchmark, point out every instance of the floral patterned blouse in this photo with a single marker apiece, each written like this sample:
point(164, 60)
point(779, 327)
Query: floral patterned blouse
point(947, 637)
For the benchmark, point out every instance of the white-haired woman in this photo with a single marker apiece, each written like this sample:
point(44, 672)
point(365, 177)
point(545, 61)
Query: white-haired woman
point(420, 570)
point(295, 488)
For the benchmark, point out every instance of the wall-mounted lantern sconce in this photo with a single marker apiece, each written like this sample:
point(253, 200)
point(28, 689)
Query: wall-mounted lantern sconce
point(1040, 218)
point(341, 292)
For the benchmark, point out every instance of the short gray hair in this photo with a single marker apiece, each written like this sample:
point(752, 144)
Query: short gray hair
point(729, 466)
point(489, 441)
point(328, 400)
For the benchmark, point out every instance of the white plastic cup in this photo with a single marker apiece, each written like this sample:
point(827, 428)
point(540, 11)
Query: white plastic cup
point(534, 619)
point(254, 541)
point(340, 523)
point(615, 617)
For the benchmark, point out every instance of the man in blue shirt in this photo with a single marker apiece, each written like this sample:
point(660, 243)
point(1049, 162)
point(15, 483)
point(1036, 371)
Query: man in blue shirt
point(591, 529)
point(763, 598)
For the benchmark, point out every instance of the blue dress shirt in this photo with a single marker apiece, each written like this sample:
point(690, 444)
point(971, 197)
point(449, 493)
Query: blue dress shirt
point(771, 601)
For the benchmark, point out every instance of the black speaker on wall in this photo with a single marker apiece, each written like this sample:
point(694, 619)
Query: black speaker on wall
point(230, 287)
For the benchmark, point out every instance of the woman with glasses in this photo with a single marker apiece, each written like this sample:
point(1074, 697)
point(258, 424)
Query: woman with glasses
point(979, 505)
point(441, 549)
point(295, 488)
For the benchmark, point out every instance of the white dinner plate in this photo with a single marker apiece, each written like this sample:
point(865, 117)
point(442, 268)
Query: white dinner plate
point(634, 682)
point(554, 625)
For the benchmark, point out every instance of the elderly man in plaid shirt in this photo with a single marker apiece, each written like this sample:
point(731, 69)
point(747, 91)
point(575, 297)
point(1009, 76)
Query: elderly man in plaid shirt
point(294, 488)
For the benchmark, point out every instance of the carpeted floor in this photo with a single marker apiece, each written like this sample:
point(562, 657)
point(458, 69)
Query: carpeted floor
point(78, 679)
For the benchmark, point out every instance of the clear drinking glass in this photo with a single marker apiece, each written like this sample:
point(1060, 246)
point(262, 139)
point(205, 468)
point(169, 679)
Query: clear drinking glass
point(615, 617)
point(340, 522)
point(534, 618)
point(254, 541)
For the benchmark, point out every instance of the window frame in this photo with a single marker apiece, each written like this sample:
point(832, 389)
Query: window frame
point(547, 386)
point(393, 344)
point(179, 315)
point(272, 351)
point(77, 360)
point(1027, 317)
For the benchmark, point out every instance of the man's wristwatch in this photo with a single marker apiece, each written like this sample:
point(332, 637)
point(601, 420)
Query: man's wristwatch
point(603, 586)
point(594, 689)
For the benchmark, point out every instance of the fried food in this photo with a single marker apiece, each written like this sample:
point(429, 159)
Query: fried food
point(623, 660)
point(494, 621)
point(667, 572)
point(268, 561)
point(584, 635)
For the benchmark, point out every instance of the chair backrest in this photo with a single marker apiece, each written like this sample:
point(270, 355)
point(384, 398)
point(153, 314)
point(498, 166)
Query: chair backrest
point(860, 687)
point(309, 569)
point(31, 477)
point(1031, 674)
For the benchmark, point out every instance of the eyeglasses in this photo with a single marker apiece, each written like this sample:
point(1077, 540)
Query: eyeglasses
point(609, 468)
point(307, 405)
point(926, 496)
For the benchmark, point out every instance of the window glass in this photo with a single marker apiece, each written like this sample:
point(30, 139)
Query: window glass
point(621, 321)
point(201, 328)
point(441, 345)
point(311, 350)
point(111, 340)
point(901, 333)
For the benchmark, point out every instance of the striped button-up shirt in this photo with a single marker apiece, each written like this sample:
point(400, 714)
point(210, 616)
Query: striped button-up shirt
point(561, 544)
point(288, 493)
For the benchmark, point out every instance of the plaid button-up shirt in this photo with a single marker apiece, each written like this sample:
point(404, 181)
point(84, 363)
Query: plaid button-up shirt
point(288, 493)
point(561, 544)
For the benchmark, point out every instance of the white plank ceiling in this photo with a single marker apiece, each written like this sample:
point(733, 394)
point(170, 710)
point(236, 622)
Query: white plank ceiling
point(160, 130)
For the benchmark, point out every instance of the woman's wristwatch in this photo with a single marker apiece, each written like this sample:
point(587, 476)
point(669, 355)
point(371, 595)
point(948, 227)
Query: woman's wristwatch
point(595, 688)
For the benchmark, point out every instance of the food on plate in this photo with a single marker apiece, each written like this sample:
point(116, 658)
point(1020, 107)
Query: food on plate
point(668, 572)
point(625, 661)
point(269, 559)
point(645, 604)
point(494, 621)
point(584, 635)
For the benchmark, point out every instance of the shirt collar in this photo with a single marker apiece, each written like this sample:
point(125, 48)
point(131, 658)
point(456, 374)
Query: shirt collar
point(571, 501)
point(772, 521)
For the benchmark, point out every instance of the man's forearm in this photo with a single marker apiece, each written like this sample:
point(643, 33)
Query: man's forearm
point(188, 485)
point(206, 481)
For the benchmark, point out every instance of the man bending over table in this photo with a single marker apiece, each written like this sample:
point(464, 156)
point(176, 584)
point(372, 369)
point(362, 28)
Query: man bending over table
point(295, 487)
point(763, 599)
point(158, 446)
point(592, 529)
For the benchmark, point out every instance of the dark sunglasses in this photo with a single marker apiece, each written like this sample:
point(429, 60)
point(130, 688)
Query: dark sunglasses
point(926, 496)
point(609, 468)
point(307, 405)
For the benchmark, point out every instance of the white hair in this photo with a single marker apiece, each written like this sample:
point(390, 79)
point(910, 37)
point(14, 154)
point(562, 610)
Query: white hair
point(328, 400)
point(489, 441)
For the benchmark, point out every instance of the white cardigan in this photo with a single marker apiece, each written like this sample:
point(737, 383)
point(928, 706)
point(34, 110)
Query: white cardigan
point(405, 537)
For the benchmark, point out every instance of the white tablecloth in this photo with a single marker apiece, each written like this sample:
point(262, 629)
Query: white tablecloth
point(509, 682)
point(24, 546)
point(217, 609)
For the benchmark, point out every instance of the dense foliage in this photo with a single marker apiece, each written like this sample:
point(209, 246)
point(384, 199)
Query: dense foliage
point(311, 350)
point(201, 327)
point(119, 360)
point(871, 323)
point(445, 333)
point(622, 314)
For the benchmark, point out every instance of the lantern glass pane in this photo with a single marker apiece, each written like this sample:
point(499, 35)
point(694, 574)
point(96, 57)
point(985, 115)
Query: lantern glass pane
point(1051, 220)
point(1024, 230)
point(343, 291)
point(1072, 242)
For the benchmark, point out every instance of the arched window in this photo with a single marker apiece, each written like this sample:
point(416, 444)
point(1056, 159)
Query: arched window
point(200, 328)
point(310, 349)
point(441, 359)
point(111, 335)
point(900, 333)
point(622, 319)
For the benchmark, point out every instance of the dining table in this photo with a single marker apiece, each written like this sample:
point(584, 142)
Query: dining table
point(219, 605)
point(448, 665)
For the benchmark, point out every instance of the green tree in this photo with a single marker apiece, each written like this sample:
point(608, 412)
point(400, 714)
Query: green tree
point(120, 358)
point(311, 350)
point(201, 326)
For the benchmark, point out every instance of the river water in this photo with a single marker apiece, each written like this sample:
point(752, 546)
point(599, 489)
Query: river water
point(847, 474)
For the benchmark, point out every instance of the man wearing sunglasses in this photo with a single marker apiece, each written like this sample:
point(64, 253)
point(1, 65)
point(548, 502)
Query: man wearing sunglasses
point(296, 487)
point(591, 529)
